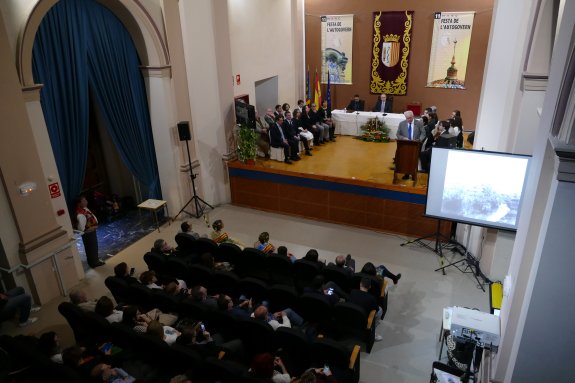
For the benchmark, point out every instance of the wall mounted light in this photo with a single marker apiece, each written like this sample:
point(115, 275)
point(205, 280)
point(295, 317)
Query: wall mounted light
point(26, 188)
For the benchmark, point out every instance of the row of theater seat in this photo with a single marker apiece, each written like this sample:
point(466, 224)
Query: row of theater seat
point(342, 321)
point(250, 262)
point(298, 353)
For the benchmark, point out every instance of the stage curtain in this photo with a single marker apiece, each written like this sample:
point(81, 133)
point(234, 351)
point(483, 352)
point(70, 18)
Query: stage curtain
point(59, 62)
point(390, 52)
point(118, 88)
point(82, 47)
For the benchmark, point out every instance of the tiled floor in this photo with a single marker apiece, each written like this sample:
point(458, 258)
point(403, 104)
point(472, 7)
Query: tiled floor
point(411, 327)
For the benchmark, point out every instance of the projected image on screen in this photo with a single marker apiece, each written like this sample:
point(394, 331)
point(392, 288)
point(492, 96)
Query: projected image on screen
point(484, 188)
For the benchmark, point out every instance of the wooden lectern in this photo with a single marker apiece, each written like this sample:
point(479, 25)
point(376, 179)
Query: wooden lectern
point(407, 158)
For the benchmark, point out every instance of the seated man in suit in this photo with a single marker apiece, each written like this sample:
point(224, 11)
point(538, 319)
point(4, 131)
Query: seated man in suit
point(383, 105)
point(278, 139)
point(293, 136)
point(355, 105)
point(410, 129)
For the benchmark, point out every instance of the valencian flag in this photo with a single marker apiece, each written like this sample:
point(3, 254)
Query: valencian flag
point(307, 88)
point(317, 98)
point(328, 92)
point(390, 53)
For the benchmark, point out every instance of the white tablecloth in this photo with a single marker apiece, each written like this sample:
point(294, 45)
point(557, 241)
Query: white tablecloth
point(350, 123)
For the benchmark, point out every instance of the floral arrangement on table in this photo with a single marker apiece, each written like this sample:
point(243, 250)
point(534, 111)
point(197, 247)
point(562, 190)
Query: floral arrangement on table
point(374, 131)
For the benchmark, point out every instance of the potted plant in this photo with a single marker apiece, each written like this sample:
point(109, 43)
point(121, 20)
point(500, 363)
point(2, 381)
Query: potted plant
point(247, 144)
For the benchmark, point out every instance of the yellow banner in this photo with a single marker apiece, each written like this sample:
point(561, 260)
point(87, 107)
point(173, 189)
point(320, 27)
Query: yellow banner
point(450, 49)
point(336, 48)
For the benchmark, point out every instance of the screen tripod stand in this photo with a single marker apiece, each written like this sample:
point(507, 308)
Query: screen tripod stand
point(470, 261)
point(199, 204)
point(437, 236)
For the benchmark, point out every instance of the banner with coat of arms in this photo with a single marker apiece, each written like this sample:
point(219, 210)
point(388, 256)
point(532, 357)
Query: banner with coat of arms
point(336, 48)
point(390, 53)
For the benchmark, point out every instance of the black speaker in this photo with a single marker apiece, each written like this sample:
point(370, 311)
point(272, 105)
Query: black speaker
point(184, 131)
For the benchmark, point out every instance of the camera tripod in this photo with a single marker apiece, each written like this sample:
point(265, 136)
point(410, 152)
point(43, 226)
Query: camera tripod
point(199, 204)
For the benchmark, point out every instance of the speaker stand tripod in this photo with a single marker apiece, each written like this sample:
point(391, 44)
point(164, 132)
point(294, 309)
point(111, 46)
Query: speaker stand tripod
point(199, 204)
point(437, 236)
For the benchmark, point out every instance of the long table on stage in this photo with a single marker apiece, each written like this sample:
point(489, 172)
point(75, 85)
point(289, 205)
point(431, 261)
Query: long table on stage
point(349, 124)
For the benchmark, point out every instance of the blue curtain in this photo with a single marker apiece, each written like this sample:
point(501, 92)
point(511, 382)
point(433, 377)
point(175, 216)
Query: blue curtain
point(82, 47)
point(59, 62)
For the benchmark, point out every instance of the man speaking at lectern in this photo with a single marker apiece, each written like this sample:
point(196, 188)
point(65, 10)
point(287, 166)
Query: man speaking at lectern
point(410, 129)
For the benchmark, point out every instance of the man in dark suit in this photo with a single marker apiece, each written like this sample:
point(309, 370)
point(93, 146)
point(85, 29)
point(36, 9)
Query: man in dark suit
point(356, 105)
point(277, 138)
point(383, 105)
point(291, 133)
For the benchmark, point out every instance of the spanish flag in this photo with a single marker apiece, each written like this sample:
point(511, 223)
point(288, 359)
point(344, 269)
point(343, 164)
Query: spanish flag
point(317, 98)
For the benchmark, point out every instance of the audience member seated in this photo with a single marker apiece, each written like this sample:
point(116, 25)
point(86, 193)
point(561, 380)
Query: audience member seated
point(105, 308)
point(17, 301)
point(319, 375)
point(49, 345)
point(187, 229)
point(278, 111)
point(200, 295)
point(278, 138)
point(139, 322)
point(324, 115)
point(243, 310)
point(366, 301)
point(174, 289)
point(304, 133)
point(162, 247)
point(355, 105)
point(263, 367)
point(320, 123)
point(148, 278)
point(329, 289)
point(270, 117)
point(285, 108)
point(80, 299)
point(283, 251)
point(291, 133)
point(308, 120)
point(220, 236)
point(106, 373)
point(346, 263)
point(166, 333)
point(121, 271)
point(197, 337)
point(313, 256)
point(442, 129)
point(263, 243)
point(283, 318)
point(263, 139)
point(381, 271)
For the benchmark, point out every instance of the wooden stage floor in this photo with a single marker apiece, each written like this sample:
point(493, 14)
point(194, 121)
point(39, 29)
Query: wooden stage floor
point(356, 161)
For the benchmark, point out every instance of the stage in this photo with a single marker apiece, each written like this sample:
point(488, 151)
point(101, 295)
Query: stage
point(348, 182)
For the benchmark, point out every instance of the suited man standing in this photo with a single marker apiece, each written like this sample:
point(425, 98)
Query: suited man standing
point(383, 105)
point(410, 129)
point(355, 105)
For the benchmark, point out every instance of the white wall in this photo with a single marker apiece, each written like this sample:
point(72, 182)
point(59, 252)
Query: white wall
point(262, 46)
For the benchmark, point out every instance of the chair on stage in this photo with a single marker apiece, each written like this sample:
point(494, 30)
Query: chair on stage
point(415, 107)
point(407, 158)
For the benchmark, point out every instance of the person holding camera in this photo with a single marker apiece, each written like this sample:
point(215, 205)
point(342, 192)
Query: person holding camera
point(121, 272)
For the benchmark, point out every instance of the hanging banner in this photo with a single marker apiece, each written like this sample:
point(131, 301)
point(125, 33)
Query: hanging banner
point(390, 53)
point(450, 49)
point(336, 48)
